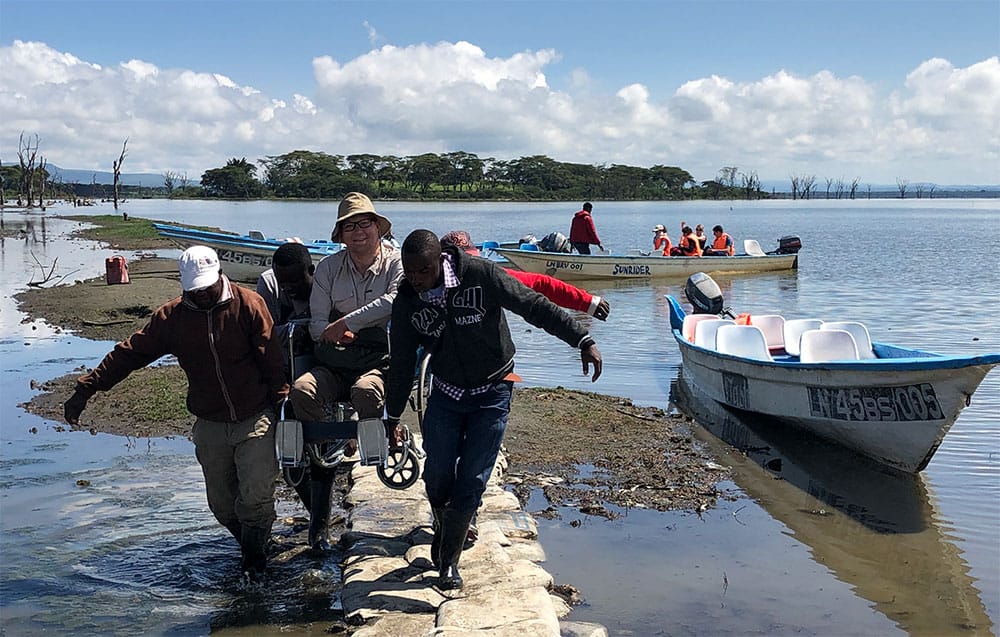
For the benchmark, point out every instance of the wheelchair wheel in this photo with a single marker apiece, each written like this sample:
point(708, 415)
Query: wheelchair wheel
point(401, 469)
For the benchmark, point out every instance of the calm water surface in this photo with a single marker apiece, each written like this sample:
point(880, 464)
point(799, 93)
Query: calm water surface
point(833, 547)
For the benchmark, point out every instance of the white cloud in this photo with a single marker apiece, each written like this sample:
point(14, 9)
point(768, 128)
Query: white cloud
point(937, 125)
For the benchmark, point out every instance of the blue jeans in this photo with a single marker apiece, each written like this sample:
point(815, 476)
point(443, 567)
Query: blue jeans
point(462, 439)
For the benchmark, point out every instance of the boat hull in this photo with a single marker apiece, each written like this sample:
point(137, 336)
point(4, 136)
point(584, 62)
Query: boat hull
point(243, 258)
point(578, 267)
point(895, 410)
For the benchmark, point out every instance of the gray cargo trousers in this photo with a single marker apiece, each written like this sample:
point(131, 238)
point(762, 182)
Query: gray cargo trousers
point(240, 468)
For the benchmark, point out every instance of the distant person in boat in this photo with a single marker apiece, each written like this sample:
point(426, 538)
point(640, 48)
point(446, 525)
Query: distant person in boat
point(350, 304)
point(221, 336)
point(582, 233)
point(699, 234)
point(688, 246)
point(452, 304)
point(661, 240)
point(722, 246)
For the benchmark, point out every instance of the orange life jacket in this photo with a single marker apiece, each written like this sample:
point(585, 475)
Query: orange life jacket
point(690, 245)
point(664, 241)
point(720, 244)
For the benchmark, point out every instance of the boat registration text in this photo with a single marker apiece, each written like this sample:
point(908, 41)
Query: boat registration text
point(234, 256)
point(900, 404)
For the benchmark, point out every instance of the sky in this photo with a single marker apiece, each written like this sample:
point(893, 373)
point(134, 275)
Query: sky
point(836, 89)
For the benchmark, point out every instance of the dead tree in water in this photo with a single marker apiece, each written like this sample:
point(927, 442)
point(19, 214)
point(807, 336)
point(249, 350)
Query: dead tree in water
point(41, 183)
point(26, 156)
point(117, 164)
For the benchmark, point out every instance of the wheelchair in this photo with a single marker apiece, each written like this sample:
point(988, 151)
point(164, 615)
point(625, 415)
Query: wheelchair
point(300, 445)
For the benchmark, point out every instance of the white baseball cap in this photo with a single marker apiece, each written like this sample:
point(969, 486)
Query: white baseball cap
point(199, 268)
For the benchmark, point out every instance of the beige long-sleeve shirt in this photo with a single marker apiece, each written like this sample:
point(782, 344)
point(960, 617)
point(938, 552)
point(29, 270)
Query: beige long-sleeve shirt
point(363, 298)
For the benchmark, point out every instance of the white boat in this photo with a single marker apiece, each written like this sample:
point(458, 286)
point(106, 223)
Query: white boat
point(243, 257)
point(890, 403)
point(575, 267)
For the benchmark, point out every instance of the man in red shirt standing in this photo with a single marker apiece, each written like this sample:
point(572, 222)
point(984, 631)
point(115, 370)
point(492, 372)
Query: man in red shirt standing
point(582, 233)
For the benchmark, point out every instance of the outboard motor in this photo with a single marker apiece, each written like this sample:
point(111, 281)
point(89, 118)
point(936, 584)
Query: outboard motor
point(555, 242)
point(703, 294)
point(528, 238)
point(789, 244)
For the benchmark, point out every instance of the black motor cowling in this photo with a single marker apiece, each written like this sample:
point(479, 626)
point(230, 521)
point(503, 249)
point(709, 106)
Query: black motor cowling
point(703, 294)
point(555, 242)
point(789, 244)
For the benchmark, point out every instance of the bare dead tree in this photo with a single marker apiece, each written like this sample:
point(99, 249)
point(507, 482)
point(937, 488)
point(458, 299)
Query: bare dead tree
point(919, 189)
point(854, 186)
point(3, 201)
point(117, 164)
point(808, 186)
point(169, 178)
point(41, 182)
point(750, 184)
point(829, 185)
point(26, 156)
point(901, 185)
point(727, 175)
point(930, 190)
point(184, 180)
point(795, 186)
point(869, 190)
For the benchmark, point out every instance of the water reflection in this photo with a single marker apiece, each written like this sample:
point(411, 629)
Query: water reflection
point(872, 527)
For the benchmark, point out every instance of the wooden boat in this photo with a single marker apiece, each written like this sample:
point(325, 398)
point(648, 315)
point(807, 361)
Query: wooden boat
point(575, 267)
point(243, 257)
point(890, 403)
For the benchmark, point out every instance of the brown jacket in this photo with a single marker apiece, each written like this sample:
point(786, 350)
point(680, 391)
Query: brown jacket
point(233, 366)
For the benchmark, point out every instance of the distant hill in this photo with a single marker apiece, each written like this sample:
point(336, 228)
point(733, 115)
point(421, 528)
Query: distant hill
point(74, 176)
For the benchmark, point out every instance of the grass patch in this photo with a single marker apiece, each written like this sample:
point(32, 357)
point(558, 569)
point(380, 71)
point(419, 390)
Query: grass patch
point(136, 233)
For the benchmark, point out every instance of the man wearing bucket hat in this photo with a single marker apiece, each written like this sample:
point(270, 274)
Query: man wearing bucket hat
point(221, 336)
point(350, 305)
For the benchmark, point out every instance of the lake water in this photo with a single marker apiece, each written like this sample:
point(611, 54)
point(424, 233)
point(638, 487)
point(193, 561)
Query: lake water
point(815, 542)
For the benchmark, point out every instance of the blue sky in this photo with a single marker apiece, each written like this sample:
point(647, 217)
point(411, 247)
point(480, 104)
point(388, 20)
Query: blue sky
point(875, 90)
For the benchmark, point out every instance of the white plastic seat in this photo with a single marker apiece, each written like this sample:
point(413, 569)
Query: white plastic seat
point(690, 321)
point(822, 345)
point(773, 326)
point(860, 333)
point(746, 341)
point(705, 332)
point(793, 332)
point(751, 247)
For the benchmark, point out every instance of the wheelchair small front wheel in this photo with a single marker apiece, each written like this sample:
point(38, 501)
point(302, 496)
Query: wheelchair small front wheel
point(401, 469)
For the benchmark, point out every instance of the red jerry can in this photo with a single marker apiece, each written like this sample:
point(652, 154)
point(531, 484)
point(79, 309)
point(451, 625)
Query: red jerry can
point(116, 270)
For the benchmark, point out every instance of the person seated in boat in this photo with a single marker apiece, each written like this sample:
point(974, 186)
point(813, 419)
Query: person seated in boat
point(722, 246)
point(688, 246)
point(350, 305)
point(661, 240)
point(559, 292)
point(699, 234)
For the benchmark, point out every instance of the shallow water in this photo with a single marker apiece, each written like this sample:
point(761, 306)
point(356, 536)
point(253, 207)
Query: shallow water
point(141, 540)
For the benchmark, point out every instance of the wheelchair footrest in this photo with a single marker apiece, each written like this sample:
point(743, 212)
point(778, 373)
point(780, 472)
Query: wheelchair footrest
point(289, 444)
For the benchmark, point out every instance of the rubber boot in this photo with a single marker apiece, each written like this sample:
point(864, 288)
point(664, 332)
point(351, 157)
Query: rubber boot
point(253, 544)
point(454, 528)
point(436, 512)
point(319, 514)
point(473, 534)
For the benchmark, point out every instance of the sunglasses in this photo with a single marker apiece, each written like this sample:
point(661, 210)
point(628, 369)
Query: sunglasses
point(350, 226)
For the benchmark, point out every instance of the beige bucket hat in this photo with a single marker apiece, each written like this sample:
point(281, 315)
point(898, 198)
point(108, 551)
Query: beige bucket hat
point(354, 204)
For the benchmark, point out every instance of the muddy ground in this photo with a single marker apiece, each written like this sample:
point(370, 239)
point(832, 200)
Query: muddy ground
point(641, 456)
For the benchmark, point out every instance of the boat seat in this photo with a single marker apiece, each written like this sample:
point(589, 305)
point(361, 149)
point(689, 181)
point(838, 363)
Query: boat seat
point(530, 247)
point(690, 321)
point(751, 247)
point(256, 234)
point(705, 332)
point(860, 333)
point(822, 345)
point(793, 333)
point(773, 326)
point(490, 245)
point(745, 341)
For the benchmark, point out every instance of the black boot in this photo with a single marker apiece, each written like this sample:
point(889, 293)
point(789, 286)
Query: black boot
point(454, 527)
point(253, 544)
point(436, 541)
point(236, 529)
point(319, 513)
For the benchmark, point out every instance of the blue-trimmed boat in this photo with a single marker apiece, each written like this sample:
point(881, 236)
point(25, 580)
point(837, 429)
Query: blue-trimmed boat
point(243, 257)
point(891, 403)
